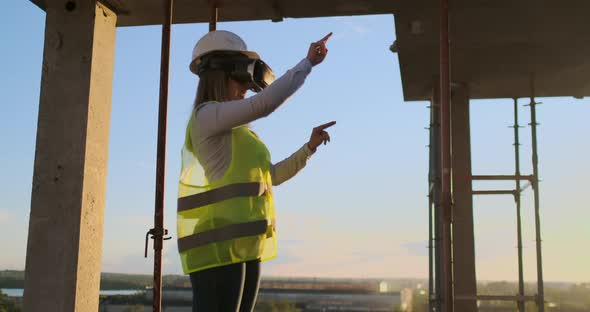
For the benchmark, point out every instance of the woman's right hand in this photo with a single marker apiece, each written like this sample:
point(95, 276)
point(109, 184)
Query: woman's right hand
point(318, 51)
point(319, 135)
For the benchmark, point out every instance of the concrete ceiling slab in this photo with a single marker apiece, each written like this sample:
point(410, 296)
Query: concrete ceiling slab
point(150, 12)
point(498, 47)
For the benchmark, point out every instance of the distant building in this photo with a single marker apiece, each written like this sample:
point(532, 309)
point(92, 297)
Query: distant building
point(311, 295)
point(406, 295)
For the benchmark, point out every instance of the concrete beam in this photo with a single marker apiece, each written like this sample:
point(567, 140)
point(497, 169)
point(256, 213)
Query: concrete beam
point(463, 237)
point(149, 12)
point(498, 55)
point(64, 248)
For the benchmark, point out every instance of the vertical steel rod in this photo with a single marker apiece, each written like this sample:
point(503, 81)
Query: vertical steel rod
point(159, 231)
point(430, 249)
point(517, 199)
point(445, 121)
point(535, 182)
point(436, 197)
point(213, 16)
point(432, 198)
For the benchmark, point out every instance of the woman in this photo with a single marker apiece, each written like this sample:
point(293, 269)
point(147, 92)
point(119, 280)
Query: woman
point(226, 217)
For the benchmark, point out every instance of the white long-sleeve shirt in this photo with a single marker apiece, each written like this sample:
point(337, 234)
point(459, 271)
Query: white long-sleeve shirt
point(211, 131)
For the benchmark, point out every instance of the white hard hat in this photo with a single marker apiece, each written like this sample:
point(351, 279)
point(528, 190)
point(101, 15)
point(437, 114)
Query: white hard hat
point(219, 41)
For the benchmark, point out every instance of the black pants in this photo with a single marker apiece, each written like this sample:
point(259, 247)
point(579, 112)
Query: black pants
point(228, 288)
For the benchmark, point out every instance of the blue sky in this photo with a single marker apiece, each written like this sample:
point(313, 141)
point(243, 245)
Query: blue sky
point(359, 209)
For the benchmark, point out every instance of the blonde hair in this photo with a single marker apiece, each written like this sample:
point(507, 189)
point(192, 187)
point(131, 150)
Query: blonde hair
point(213, 86)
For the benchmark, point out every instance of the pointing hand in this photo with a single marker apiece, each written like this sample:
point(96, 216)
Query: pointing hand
point(319, 135)
point(318, 51)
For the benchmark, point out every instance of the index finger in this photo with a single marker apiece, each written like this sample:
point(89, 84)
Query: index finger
point(325, 39)
point(326, 125)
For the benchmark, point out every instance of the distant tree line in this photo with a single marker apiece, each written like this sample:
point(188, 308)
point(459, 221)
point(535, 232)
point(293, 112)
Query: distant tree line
point(12, 279)
point(108, 281)
point(572, 298)
point(7, 304)
point(276, 306)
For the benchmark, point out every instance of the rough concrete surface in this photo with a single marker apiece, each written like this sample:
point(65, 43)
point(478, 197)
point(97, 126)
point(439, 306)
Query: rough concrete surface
point(68, 194)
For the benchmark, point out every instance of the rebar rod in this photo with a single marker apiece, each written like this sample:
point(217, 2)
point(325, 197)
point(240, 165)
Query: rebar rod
point(436, 162)
point(494, 192)
point(502, 177)
point(430, 238)
point(445, 124)
point(158, 230)
point(213, 16)
point(433, 212)
point(535, 183)
point(517, 199)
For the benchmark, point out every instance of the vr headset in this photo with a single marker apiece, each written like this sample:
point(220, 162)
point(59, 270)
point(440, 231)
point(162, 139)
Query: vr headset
point(246, 69)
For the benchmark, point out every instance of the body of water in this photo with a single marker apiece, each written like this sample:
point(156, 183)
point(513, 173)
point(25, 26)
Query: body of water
point(18, 292)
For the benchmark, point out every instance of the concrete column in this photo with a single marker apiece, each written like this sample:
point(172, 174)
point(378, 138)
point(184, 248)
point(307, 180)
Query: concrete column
point(463, 238)
point(64, 248)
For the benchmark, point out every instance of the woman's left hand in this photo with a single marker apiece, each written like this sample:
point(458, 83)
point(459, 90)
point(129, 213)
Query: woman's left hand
point(319, 135)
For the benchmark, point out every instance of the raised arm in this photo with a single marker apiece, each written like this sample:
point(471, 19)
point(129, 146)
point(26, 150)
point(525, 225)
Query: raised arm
point(214, 118)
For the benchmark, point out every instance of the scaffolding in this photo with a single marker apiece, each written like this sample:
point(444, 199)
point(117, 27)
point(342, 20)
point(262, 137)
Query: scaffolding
point(436, 261)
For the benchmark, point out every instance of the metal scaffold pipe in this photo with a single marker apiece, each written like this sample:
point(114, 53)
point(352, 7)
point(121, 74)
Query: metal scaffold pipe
point(213, 17)
point(436, 198)
point(517, 199)
point(436, 299)
point(431, 186)
point(158, 232)
point(535, 183)
point(433, 208)
point(445, 126)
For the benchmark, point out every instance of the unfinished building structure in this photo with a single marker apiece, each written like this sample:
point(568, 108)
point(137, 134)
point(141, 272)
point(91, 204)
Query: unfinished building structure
point(450, 51)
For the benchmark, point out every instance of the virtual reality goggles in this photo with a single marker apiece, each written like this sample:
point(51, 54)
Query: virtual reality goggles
point(241, 67)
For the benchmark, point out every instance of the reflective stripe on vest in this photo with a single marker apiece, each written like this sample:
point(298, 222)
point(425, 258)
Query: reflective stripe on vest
point(221, 194)
point(225, 233)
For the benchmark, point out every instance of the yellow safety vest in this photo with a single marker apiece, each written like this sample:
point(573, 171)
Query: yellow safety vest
point(229, 220)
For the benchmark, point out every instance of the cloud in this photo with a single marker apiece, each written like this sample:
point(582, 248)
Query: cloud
point(352, 29)
point(358, 28)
